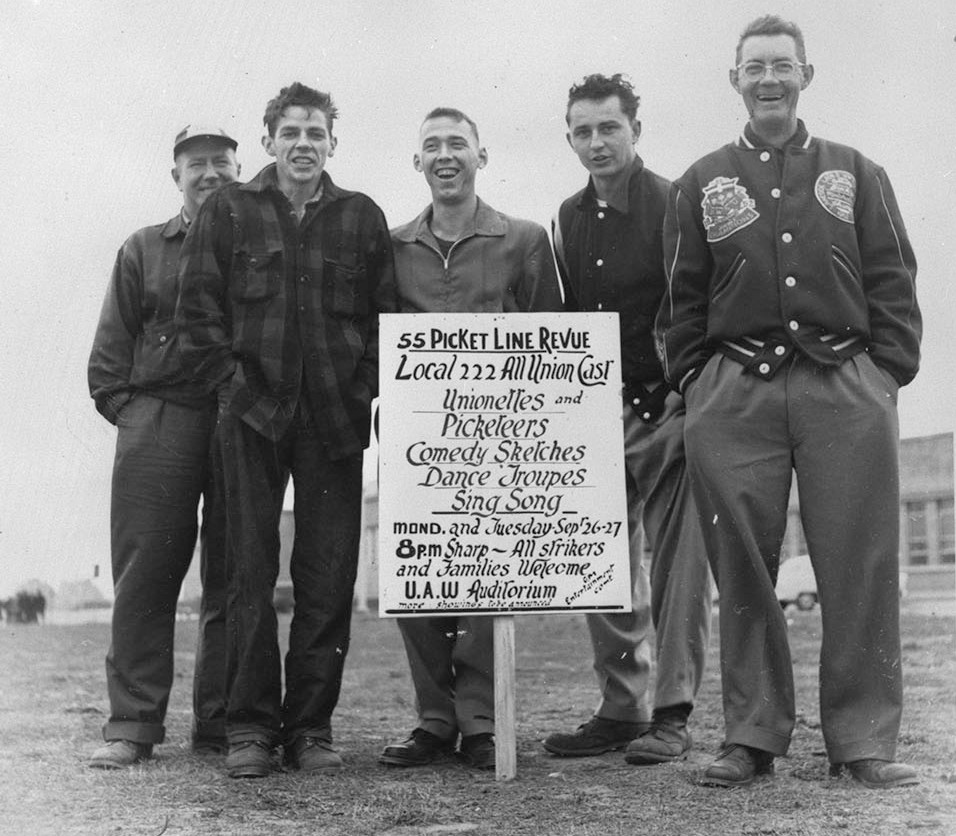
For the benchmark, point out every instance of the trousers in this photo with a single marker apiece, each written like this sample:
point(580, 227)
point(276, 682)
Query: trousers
point(452, 666)
point(837, 428)
point(160, 472)
point(673, 595)
point(253, 472)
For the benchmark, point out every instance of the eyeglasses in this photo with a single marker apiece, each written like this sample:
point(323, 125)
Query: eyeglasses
point(782, 70)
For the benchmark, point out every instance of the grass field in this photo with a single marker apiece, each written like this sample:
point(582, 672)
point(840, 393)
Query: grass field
point(53, 703)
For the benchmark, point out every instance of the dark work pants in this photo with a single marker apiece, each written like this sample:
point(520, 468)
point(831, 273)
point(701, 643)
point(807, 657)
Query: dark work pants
point(254, 472)
point(161, 470)
point(209, 676)
point(837, 428)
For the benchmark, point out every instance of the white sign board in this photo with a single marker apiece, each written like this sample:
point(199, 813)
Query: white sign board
point(501, 481)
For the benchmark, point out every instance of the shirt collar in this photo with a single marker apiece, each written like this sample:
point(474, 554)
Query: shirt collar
point(749, 138)
point(589, 196)
point(176, 225)
point(486, 222)
point(267, 180)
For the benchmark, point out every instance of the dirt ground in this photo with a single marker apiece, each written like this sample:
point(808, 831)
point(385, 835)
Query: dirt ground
point(53, 703)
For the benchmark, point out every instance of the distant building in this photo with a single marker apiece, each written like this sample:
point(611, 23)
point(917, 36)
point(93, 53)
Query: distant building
point(927, 544)
point(80, 595)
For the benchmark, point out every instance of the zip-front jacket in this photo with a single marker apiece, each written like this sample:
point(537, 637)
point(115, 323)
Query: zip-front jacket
point(774, 251)
point(280, 311)
point(136, 348)
point(502, 264)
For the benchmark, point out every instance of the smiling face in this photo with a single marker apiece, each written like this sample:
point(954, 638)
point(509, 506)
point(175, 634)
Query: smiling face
point(301, 145)
point(603, 136)
point(770, 101)
point(203, 166)
point(449, 158)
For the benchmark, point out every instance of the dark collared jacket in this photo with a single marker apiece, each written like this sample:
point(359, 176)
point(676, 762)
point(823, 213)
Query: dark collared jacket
point(135, 348)
point(278, 310)
point(771, 251)
point(612, 261)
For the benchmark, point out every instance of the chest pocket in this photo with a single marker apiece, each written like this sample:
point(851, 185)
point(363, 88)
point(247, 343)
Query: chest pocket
point(258, 275)
point(345, 290)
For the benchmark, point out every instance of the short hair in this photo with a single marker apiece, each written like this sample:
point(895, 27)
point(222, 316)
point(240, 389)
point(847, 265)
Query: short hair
point(452, 113)
point(597, 87)
point(298, 95)
point(773, 25)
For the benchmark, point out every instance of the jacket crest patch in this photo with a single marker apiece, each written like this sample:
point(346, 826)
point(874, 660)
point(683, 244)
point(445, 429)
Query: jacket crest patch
point(836, 191)
point(727, 208)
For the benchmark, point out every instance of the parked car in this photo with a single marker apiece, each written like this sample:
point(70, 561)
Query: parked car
point(796, 583)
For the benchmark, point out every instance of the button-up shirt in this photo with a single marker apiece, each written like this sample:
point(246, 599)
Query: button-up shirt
point(282, 311)
point(611, 260)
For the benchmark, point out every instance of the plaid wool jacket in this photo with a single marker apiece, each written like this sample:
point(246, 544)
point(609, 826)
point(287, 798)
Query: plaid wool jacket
point(277, 311)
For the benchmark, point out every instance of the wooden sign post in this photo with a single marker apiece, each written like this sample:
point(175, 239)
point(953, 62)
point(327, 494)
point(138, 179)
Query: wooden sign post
point(506, 743)
point(501, 475)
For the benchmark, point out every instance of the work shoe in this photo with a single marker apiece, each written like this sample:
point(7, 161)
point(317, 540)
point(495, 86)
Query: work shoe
point(737, 766)
point(666, 741)
point(209, 746)
point(249, 759)
point(420, 749)
point(478, 750)
point(313, 754)
point(877, 774)
point(595, 737)
point(118, 754)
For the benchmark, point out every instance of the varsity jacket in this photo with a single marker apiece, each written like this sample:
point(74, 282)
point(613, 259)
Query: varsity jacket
point(774, 251)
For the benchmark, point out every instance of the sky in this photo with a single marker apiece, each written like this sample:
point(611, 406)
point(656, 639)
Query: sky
point(95, 91)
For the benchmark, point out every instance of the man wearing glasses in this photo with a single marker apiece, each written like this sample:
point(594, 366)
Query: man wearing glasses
point(789, 324)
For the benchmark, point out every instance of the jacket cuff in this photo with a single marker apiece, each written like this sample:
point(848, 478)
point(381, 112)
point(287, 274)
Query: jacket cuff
point(688, 378)
point(110, 405)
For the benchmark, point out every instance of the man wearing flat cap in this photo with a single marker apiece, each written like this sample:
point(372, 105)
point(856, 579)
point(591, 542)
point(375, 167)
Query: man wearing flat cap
point(164, 424)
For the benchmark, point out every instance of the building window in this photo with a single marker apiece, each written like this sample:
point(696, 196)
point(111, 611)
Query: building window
point(947, 542)
point(917, 543)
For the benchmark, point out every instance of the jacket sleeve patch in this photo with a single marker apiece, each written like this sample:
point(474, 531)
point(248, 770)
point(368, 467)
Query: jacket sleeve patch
point(836, 192)
point(727, 208)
